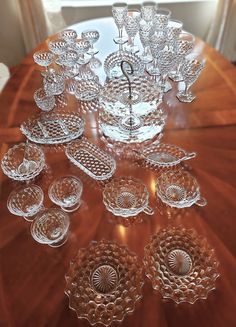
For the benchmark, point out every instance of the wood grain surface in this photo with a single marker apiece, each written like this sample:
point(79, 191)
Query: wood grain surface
point(32, 275)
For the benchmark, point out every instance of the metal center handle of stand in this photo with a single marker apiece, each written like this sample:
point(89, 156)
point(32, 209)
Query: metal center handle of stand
point(123, 66)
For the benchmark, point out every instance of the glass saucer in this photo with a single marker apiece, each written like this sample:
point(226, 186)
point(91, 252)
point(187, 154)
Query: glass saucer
point(23, 161)
point(104, 282)
point(126, 197)
point(66, 192)
point(26, 201)
point(180, 265)
point(179, 189)
point(112, 64)
point(51, 227)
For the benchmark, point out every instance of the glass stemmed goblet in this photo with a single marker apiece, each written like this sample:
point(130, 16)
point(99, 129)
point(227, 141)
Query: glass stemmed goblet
point(166, 61)
point(190, 70)
point(173, 30)
point(161, 18)
point(43, 100)
point(119, 12)
point(148, 9)
point(58, 46)
point(82, 46)
point(144, 33)
point(132, 27)
point(68, 35)
point(92, 36)
point(43, 58)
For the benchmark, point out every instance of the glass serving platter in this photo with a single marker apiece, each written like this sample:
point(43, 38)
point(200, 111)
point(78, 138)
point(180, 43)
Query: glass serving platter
point(91, 159)
point(53, 128)
point(165, 155)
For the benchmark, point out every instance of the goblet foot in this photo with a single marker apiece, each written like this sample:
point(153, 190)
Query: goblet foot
point(120, 40)
point(185, 97)
point(166, 87)
point(146, 59)
point(71, 208)
point(132, 48)
point(93, 51)
point(60, 242)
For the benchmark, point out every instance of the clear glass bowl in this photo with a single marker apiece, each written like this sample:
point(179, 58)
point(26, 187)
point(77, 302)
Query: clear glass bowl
point(67, 59)
point(87, 90)
point(165, 155)
point(112, 63)
point(51, 227)
point(23, 162)
point(52, 128)
point(43, 58)
point(104, 282)
point(179, 189)
point(69, 35)
point(180, 265)
point(26, 201)
point(126, 197)
point(58, 46)
point(66, 192)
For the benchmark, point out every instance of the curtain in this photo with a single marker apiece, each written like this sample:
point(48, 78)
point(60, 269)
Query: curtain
point(222, 31)
point(38, 19)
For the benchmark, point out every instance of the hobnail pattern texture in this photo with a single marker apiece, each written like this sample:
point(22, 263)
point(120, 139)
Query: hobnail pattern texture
point(68, 35)
point(178, 189)
point(91, 159)
point(174, 28)
point(185, 44)
point(53, 83)
point(53, 128)
point(144, 33)
point(180, 265)
point(132, 20)
point(191, 69)
point(90, 35)
point(80, 46)
point(67, 59)
point(58, 46)
point(87, 90)
point(15, 157)
point(125, 196)
point(43, 58)
point(44, 101)
point(25, 201)
point(165, 155)
point(104, 282)
point(166, 61)
point(113, 61)
point(65, 191)
point(161, 18)
point(50, 226)
point(119, 13)
point(148, 10)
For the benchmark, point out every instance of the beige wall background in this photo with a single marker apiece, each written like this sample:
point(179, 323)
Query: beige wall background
point(196, 16)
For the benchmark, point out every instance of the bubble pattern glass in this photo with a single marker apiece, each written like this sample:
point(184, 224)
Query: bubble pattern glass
point(68, 35)
point(43, 58)
point(87, 90)
point(132, 22)
point(181, 265)
point(148, 9)
point(53, 83)
point(58, 46)
point(104, 282)
point(43, 100)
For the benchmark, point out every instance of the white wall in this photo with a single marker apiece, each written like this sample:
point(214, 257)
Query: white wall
point(196, 16)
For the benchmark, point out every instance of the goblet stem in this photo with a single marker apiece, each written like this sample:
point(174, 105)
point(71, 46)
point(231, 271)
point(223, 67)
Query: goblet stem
point(120, 29)
point(187, 87)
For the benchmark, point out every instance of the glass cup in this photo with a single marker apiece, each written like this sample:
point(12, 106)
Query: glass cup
point(144, 34)
point(43, 58)
point(53, 83)
point(92, 36)
point(148, 9)
point(132, 20)
point(26, 201)
point(161, 18)
point(166, 62)
point(58, 46)
point(190, 70)
point(67, 59)
point(66, 192)
point(119, 12)
point(82, 47)
point(68, 35)
point(44, 101)
point(51, 227)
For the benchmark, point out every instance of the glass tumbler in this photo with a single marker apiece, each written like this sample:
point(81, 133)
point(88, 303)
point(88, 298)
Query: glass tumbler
point(44, 101)
point(119, 12)
point(51, 227)
point(26, 201)
point(66, 192)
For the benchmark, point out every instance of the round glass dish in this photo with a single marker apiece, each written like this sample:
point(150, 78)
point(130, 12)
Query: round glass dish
point(104, 282)
point(180, 265)
point(23, 161)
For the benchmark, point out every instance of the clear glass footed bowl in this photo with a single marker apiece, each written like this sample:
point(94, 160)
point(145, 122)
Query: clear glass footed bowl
point(23, 161)
point(180, 265)
point(26, 201)
point(179, 189)
point(145, 96)
point(126, 197)
point(132, 128)
point(104, 282)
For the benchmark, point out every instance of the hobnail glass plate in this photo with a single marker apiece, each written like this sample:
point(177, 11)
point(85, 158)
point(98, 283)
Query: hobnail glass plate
point(179, 189)
point(112, 63)
point(165, 155)
point(132, 128)
point(22, 163)
point(91, 159)
point(53, 128)
point(181, 265)
point(104, 282)
point(126, 197)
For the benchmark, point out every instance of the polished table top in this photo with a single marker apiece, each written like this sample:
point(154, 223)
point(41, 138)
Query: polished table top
point(32, 275)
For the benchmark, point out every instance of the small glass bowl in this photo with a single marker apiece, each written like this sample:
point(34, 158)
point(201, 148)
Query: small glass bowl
point(180, 265)
point(43, 58)
point(126, 197)
point(104, 282)
point(18, 157)
point(179, 189)
point(66, 192)
point(69, 35)
point(87, 90)
point(67, 59)
point(58, 46)
point(26, 201)
point(51, 227)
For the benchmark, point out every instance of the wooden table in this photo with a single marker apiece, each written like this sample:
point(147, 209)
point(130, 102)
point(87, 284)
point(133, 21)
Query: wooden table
point(32, 275)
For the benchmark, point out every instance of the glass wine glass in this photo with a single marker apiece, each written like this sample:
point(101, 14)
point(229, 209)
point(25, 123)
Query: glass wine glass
point(166, 62)
point(82, 46)
point(148, 9)
point(132, 20)
point(157, 42)
point(190, 70)
point(119, 12)
point(144, 33)
point(92, 36)
point(173, 30)
point(161, 18)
